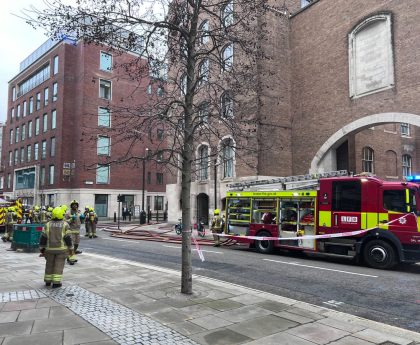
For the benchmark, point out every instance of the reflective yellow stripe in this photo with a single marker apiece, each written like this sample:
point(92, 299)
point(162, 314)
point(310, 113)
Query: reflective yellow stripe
point(324, 218)
point(300, 193)
point(363, 220)
point(48, 277)
point(372, 220)
point(383, 217)
point(57, 278)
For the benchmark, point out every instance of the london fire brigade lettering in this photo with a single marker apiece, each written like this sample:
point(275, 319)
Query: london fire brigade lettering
point(348, 220)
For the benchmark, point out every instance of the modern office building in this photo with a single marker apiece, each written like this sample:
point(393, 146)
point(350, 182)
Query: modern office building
point(58, 139)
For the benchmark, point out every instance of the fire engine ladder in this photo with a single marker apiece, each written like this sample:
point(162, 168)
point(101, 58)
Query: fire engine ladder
point(308, 181)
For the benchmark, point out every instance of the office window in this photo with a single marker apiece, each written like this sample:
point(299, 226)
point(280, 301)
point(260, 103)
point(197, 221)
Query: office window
point(227, 14)
point(406, 165)
point(16, 156)
point(46, 96)
point(12, 114)
point(18, 111)
point(227, 105)
point(22, 155)
point(203, 32)
point(104, 117)
point(368, 160)
point(103, 145)
point(13, 93)
point(159, 178)
point(203, 112)
point(44, 122)
point(31, 105)
point(51, 174)
point(9, 181)
point(203, 159)
point(17, 135)
point(10, 158)
point(11, 137)
point(227, 57)
point(158, 203)
point(28, 153)
point(36, 151)
point(55, 65)
point(23, 134)
point(149, 177)
point(102, 174)
point(24, 110)
point(38, 101)
point(54, 119)
point(42, 176)
point(55, 92)
point(30, 129)
point(405, 129)
point(105, 63)
point(37, 126)
point(52, 147)
point(227, 158)
point(43, 149)
point(104, 89)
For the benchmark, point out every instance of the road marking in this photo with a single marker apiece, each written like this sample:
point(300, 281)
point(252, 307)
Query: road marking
point(321, 268)
point(115, 239)
point(333, 303)
point(203, 250)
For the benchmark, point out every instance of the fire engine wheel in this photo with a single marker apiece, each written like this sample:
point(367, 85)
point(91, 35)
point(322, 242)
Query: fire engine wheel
point(264, 247)
point(379, 254)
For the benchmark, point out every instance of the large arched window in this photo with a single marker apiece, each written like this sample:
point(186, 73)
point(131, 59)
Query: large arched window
point(226, 14)
point(368, 160)
point(183, 84)
point(228, 154)
point(203, 163)
point(406, 165)
point(227, 57)
point(227, 105)
point(203, 32)
point(371, 63)
point(203, 112)
point(203, 72)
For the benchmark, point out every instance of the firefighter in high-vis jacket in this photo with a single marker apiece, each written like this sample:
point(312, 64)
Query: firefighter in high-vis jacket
point(86, 218)
point(216, 227)
point(92, 220)
point(11, 219)
point(43, 219)
point(74, 220)
point(55, 245)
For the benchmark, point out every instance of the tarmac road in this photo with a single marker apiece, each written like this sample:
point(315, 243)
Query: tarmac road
point(391, 297)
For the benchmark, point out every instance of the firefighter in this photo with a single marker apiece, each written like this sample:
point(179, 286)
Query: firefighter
point(75, 224)
point(49, 213)
point(43, 215)
point(86, 218)
point(216, 227)
point(36, 214)
point(55, 245)
point(11, 218)
point(92, 220)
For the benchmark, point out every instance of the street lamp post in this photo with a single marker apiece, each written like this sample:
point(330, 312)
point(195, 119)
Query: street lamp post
point(143, 212)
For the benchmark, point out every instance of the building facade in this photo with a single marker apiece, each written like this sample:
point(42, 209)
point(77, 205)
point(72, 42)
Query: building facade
point(58, 140)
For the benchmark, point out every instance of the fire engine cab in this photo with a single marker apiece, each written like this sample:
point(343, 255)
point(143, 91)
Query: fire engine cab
point(386, 211)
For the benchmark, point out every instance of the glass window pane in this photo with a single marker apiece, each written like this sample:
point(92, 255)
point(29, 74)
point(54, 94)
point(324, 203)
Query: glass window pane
point(103, 146)
point(105, 62)
point(102, 174)
point(104, 117)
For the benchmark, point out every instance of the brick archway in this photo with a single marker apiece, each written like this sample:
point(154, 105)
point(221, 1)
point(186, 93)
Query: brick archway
point(323, 159)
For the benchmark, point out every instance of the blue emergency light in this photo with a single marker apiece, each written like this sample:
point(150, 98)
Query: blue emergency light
point(413, 178)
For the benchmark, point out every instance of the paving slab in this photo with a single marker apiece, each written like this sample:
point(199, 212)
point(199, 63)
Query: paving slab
point(220, 337)
point(9, 316)
point(60, 311)
point(20, 305)
point(16, 328)
point(223, 304)
point(280, 339)
point(305, 313)
point(247, 299)
point(186, 328)
point(102, 342)
point(211, 322)
point(380, 337)
point(46, 303)
point(169, 316)
point(83, 335)
point(317, 333)
point(273, 306)
point(351, 341)
point(243, 313)
point(150, 307)
point(344, 326)
point(50, 338)
point(198, 310)
point(59, 323)
point(34, 314)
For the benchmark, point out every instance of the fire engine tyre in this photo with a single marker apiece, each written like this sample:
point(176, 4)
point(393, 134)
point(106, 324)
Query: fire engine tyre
point(379, 254)
point(264, 247)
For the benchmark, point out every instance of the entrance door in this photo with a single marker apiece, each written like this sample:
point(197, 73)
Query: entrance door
point(101, 205)
point(203, 208)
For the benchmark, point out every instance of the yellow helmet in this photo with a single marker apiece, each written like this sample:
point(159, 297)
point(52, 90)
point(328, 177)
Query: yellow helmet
point(50, 209)
point(11, 209)
point(64, 207)
point(74, 202)
point(58, 213)
point(91, 209)
point(36, 208)
point(216, 212)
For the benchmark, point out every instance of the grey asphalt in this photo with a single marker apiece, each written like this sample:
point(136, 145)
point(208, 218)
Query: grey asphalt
point(107, 300)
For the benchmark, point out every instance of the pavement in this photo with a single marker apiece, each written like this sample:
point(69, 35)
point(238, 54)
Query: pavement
point(105, 300)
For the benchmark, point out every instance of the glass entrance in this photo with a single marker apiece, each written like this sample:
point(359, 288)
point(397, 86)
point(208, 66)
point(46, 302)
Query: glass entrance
point(101, 205)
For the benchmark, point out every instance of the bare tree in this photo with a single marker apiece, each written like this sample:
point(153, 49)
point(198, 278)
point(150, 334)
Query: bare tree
point(201, 55)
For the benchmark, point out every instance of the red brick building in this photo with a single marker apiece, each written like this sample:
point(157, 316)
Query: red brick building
point(58, 138)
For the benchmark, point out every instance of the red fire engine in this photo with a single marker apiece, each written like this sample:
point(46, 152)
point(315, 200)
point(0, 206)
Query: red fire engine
point(386, 212)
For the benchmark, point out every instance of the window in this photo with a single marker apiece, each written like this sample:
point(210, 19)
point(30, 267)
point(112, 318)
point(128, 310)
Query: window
point(159, 178)
point(394, 200)
point(25, 178)
point(103, 146)
point(12, 114)
point(227, 105)
point(158, 203)
point(149, 89)
point(203, 32)
point(102, 174)
point(28, 153)
point(203, 173)
point(22, 136)
point(17, 135)
point(36, 150)
point(18, 111)
point(405, 129)
point(9, 181)
point(13, 94)
point(10, 158)
point(304, 3)
point(51, 174)
point(203, 72)
point(105, 89)
point(46, 96)
point(227, 158)
point(31, 105)
point(406, 165)
point(105, 63)
point(42, 176)
point(227, 58)
point(346, 196)
point(34, 80)
point(368, 160)
point(38, 101)
point(11, 137)
point(104, 117)
point(37, 126)
point(43, 149)
point(44, 122)
point(52, 147)
point(24, 109)
point(54, 119)
point(183, 84)
point(227, 14)
point(55, 65)
point(203, 112)
point(55, 92)
point(160, 91)
point(30, 129)
point(22, 155)
point(159, 134)
point(149, 177)
point(16, 156)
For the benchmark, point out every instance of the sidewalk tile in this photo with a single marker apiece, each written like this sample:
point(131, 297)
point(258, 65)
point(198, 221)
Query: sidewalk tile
point(51, 338)
point(9, 316)
point(317, 333)
point(220, 337)
point(186, 328)
point(198, 310)
point(380, 337)
point(273, 306)
point(150, 307)
point(61, 323)
point(178, 303)
point(84, 335)
point(169, 316)
point(223, 304)
point(244, 313)
point(350, 341)
point(20, 305)
point(247, 299)
point(344, 326)
point(34, 314)
point(46, 303)
point(309, 307)
point(211, 322)
point(280, 339)
point(60, 311)
point(305, 313)
point(103, 342)
point(16, 328)
point(262, 326)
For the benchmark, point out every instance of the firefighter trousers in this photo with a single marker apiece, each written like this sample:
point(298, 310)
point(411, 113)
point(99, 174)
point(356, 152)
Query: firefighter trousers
point(54, 266)
point(92, 229)
point(75, 237)
point(9, 232)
